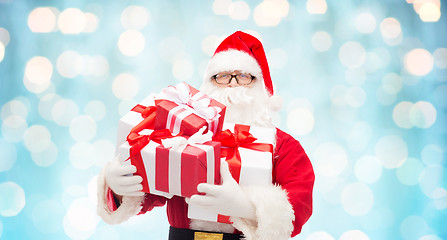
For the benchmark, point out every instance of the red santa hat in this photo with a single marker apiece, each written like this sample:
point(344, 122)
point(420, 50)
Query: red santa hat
point(243, 52)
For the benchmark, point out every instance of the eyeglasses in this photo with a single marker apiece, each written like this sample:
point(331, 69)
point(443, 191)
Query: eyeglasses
point(241, 78)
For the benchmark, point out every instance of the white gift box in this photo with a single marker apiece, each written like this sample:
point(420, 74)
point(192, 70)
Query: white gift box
point(130, 120)
point(256, 167)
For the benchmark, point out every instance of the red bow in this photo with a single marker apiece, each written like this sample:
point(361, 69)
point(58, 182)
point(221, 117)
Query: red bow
point(232, 141)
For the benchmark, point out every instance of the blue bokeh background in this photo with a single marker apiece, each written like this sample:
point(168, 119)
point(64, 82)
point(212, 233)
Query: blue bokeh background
point(364, 85)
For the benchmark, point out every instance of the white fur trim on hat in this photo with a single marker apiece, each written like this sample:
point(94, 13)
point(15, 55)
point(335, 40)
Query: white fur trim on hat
point(232, 60)
point(274, 214)
point(129, 207)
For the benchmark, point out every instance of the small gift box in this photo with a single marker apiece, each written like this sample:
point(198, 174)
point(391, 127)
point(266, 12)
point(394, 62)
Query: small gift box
point(176, 166)
point(141, 116)
point(248, 151)
point(185, 109)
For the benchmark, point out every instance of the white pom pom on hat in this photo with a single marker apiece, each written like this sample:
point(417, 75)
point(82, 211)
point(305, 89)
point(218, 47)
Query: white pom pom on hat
point(244, 52)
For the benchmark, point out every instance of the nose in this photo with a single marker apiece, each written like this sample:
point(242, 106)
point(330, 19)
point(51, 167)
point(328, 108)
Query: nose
point(233, 82)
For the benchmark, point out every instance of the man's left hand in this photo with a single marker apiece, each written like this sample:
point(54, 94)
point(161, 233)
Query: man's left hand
point(226, 199)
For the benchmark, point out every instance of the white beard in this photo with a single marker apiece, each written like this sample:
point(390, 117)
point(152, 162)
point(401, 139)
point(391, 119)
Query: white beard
point(245, 105)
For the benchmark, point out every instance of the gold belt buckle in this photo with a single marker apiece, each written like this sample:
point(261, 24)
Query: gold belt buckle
point(207, 236)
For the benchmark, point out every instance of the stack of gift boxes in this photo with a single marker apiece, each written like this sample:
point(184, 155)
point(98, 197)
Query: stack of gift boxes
point(178, 139)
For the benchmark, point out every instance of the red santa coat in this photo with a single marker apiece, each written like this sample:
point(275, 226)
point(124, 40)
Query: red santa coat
point(281, 209)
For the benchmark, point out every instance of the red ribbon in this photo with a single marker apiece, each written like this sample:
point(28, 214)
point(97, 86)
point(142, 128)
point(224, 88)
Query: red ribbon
point(137, 142)
point(148, 113)
point(232, 141)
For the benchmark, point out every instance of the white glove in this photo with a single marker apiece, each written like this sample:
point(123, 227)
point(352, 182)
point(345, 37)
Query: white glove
point(120, 179)
point(226, 199)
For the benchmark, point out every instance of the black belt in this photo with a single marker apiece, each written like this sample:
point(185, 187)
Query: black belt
point(188, 234)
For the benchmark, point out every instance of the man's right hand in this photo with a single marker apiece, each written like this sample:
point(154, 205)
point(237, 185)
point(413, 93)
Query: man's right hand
point(120, 179)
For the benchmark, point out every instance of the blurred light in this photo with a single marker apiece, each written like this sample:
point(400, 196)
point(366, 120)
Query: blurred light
point(209, 44)
point(359, 136)
point(390, 28)
point(125, 106)
point(182, 70)
point(413, 227)
point(71, 21)
point(101, 66)
point(81, 220)
point(277, 58)
point(64, 111)
point(37, 138)
point(418, 62)
point(13, 128)
point(91, 23)
point(46, 216)
point(14, 107)
point(316, 6)
point(221, 7)
point(373, 62)
point(320, 235)
point(92, 189)
point(385, 98)
point(125, 86)
point(38, 72)
point(365, 23)
point(321, 41)
point(4, 36)
point(83, 128)
point(92, 65)
point(42, 20)
point(432, 154)
point(9, 155)
point(82, 155)
point(391, 151)
point(418, 4)
point(409, 172)
point(429, 12)
point(330, 159)
point(135, 17)
point(95, 109)
point(131, 43)
point(13, 199)
point(422, 114)
point(355, 76)
point(300, 121)
point(46, 104)
point(70, 64)
point(430, 237)
point(344, 114)
point(355, 96)
point(401, 114)
point(105, 152)
point(392, 83)
point(368, 169)
point(440, 57)
point(47, 157)
point(2, 51)
point(384, 55)
point(338, 95)
point(270, 13)
point(432, 180)
point(239, 10)
point(357, 199)
point(354, 234)
point(352, 54)
point(171, 48)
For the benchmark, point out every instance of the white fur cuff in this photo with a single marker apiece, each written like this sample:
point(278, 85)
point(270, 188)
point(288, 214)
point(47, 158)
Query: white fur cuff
point(274, 214)
point(129, 207)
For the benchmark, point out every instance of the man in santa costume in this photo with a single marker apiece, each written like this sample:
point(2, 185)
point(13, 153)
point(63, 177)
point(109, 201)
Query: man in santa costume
point(237, 76)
